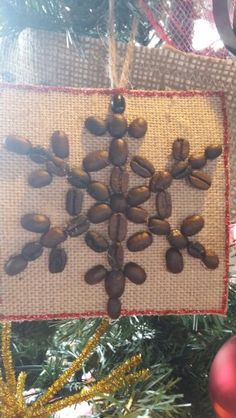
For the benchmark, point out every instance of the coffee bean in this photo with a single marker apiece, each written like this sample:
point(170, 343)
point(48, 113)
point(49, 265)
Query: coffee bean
point(16, 264)
point(135, 273)
point(180, 149)
point(57, 166)
point(96, 126)
point(113, 308)
point(57, 260)
point(118, 203)
point(17, 144)
point(32, 250)
point(53, 237)
point(192, 225)
point(197, 160)
point(115, 255)
point(196, 249)
point(119, 180)
point(74, 201)
point(77, 226)
point(117, 228)
point(96, 241)
point(213, 151)
point(138, 195)
point(136, 214)
point(39, 155)
point(39, 178)
point(60, 144)
point(142, 166)
point(139, 241)
point(181, 170)
point(118, 103)
point(118, 152)
point(163, 204)
point(200, 180)
point(79, 178)
point(138, 128)
point(99, 213)
point(160, 180)
point(158, 226)
point(117, 125)
point(95, 275)
point(174, 261)
point(96, 160)
point(211, 260)
point(115, 284)
point(177, 239)
point(98, 191)
point(35, 222)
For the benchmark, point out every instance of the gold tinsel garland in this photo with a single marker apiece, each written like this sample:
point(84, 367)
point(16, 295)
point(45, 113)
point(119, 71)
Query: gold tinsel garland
point(12, 402)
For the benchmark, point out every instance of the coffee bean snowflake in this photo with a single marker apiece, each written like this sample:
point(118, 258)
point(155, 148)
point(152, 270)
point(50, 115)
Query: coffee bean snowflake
point(116, 203)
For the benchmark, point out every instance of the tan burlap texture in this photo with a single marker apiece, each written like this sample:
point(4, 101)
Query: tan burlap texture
point(35, 114)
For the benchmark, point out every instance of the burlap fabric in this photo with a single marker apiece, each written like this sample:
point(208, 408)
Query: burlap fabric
point(35, 114)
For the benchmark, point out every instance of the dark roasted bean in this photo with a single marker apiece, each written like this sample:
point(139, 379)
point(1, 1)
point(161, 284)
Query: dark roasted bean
point(213, 151)
point(39, 155)
point(115, 255)
point(142, 166)
point(136, 214)
point(181, 170)
point(57, 260)
point(118, 103)
point(95, 275)
point(138, 128)
point(160, 180)
point(163, 204)
point(118, 151)
point(158, 226)
point(57, 166)
point(99, 213)
point(115, 284)
point(114, 308)
point(60, 144)
point(74, 201)
point(135, 273)
point(196, 249)
point(53, 237)
point(177, 239)
point(98, 191)
point(117, 228)
point(192, 225)
point(180, 149)
point(174, 261)
point(32, 250)
point(118, 202)
point(138, 195)
point(79, 178)
point(17, 144)
point(200, 180)
point(96, 160)
point(96, 241)
point(139, 241)
point(117, 125)
point(16, 264)
point(197, 160)
point(211, 260)
point(77, 226)
point(35, 222)
point(39, 178)
point(119, 180)
point(96, 125)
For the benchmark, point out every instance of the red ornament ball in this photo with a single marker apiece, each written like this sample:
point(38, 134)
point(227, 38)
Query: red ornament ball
point(222, 380)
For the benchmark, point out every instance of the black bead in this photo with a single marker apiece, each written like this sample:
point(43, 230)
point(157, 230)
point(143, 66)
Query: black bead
point(118, 103)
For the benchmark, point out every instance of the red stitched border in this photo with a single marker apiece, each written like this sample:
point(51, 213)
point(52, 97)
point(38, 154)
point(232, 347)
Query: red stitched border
point(143, 93)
